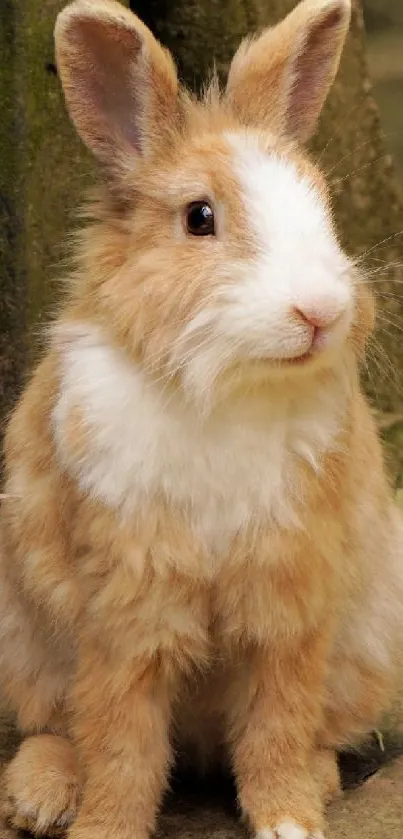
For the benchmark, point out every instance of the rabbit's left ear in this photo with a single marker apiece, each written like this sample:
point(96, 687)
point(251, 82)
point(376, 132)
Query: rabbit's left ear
point(280, 80)
point(120, 85)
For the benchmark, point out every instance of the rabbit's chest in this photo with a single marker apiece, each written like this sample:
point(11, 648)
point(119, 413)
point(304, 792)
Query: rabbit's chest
point(223, 474)
point(222, 481)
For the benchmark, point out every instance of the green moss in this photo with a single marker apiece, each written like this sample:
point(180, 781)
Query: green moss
point(53, 163)
point(12, 276)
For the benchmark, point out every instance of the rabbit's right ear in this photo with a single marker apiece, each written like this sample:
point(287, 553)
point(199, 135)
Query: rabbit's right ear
point(280, 80)
point(120, 85)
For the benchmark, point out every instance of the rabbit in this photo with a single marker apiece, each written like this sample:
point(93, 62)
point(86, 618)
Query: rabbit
point(200, 548)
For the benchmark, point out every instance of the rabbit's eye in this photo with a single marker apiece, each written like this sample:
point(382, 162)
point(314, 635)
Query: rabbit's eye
point(200, 219)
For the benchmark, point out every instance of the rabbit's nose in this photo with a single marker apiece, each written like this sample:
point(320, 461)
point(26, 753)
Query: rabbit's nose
point(320, 314)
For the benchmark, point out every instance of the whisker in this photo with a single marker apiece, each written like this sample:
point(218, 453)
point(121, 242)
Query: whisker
point(341, 124)
point(382, 317)
point(361, 169)
point(379, 280)
point(359, 148)
point(390, 368)
point(388, 295)
point(363, 256)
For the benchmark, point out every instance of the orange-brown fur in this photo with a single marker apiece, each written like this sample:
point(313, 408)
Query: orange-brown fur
point(112, 635)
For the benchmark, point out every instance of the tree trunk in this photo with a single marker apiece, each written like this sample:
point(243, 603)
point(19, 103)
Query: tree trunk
point(12, 278)
point(43, 168)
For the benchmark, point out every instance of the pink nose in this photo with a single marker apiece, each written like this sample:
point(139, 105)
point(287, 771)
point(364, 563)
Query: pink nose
point(319, 316)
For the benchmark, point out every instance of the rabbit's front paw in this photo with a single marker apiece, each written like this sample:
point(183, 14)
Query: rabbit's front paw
point(288, 830)
point(41, 786)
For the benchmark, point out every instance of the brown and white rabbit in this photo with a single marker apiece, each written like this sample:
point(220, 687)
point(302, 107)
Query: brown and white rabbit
point(199, 543)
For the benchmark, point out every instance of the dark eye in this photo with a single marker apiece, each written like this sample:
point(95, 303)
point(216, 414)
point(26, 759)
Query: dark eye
point(200, 219)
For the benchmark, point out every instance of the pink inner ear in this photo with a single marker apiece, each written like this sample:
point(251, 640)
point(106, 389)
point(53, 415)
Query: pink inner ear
point(105, 57)
point(311, 70)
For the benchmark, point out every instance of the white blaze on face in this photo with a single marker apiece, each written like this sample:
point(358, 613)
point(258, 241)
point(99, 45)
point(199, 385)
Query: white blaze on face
point(297, 278)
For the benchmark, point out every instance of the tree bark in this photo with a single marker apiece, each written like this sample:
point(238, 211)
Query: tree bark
point(12, 278)
point(43, 167)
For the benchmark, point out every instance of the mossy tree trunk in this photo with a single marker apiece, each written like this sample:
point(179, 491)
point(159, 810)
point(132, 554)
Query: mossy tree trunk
point(43, 168)
point(12, 279)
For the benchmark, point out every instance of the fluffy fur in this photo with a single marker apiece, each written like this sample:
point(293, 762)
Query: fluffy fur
point(200, 552)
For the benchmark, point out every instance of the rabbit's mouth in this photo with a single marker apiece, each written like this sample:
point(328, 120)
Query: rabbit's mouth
point(271, 364)
point(318, 343)
point(313, 352)
point(323, 345)
point(321, 353)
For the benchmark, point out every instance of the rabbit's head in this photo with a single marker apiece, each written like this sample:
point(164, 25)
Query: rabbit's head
point(215, 258)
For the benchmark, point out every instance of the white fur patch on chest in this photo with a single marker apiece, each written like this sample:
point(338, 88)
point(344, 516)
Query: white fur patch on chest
point(236, 467)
